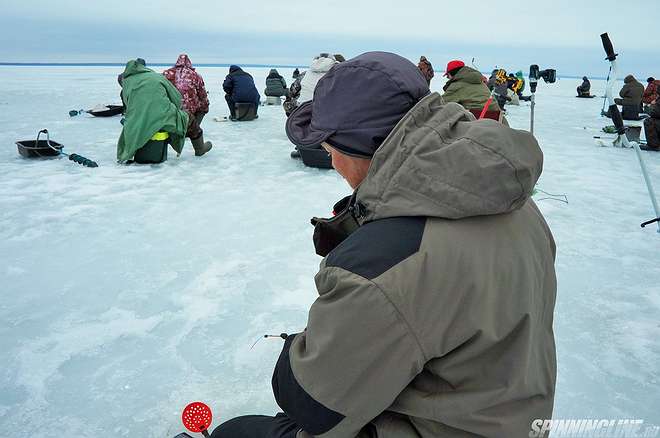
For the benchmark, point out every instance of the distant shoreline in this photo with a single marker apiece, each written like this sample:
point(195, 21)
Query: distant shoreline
point(117, 64)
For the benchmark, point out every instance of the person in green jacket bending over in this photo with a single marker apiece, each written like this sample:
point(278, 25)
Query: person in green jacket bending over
point(153, 114)
point(465, 87)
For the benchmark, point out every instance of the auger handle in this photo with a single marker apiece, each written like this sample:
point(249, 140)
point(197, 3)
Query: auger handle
point(652, 221)
point(609, 48)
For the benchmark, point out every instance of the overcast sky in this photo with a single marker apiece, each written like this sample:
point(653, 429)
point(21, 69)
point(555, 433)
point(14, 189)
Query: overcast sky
point(558, 32)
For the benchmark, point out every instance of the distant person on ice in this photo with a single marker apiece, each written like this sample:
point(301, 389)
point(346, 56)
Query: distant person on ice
point(437, 290)
point(426, 68)
point(465, 87)
point(319, 67)
point(302, 89)
point(498, 82)
point(195, 100)
point(153, 106)
point(275, 84)
point(239, 88)
point(584, 90)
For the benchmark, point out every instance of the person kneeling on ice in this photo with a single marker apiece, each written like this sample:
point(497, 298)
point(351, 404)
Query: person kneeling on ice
point(154, 113)
point(195, 100)
point(465, 87)
point(239, 88)
point(584, 90)
point(437, 290)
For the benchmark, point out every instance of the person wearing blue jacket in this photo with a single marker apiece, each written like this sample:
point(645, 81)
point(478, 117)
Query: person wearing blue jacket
point(239, 88)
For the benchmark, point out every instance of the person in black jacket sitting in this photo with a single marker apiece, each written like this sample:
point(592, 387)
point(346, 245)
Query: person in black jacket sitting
point(239, 88)
point(584, 90)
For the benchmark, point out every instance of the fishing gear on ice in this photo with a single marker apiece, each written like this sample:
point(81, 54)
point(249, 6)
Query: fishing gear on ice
point(48, 148)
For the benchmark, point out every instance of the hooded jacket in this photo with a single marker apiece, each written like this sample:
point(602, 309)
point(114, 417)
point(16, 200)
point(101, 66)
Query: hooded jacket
point(275, 84)
point(467, 88)
point(153, 104)
point(190, 84)
point(320, 66)
point(651, 92)
point(519, 75)
point(426, 68)
point(434, 317)
point(240, 86)
point(631, 92)
point(585, 88)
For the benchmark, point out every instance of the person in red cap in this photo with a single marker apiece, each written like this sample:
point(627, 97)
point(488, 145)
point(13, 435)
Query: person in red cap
point(465, 86)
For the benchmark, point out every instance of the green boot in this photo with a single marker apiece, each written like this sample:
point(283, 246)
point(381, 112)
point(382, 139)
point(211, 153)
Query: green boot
point(200, 146)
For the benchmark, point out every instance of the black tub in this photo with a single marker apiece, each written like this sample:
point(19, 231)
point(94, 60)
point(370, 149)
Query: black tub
point(38, 148)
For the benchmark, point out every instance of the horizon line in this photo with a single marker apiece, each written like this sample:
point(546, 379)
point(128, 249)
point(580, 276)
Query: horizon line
point(201, 64)
point(120, 64)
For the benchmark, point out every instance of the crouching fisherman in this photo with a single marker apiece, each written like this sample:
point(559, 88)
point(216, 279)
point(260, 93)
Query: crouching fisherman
point(154, 116)
point(437, 290)
point(195, 100)
point(584, 89)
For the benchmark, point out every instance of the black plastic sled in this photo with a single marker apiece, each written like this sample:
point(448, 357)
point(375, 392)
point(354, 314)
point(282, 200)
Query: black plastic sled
point(38, 148)
point(109, 111)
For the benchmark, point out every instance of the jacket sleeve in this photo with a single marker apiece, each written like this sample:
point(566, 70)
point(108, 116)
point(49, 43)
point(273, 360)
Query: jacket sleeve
point(625, 91)
point(202, 93)
point(355, 357)
point(450, 94)
point(228, 85)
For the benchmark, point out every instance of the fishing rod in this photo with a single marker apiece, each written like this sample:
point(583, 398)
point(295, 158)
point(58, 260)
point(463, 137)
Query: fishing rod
point(621, 129)
point(602, 111)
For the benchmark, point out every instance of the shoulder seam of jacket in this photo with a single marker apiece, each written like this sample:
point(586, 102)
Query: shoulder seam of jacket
point(398, 311)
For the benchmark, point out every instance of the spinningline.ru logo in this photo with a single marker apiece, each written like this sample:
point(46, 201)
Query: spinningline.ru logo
point(593, 428)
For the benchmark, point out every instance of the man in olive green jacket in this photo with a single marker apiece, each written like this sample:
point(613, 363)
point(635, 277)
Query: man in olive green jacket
point(466, 87)
point(435, 307)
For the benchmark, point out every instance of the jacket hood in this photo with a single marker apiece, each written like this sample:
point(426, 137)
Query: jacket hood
point(274, 73)
point(467, 74)
point(133, 68)
point(184, 61)
point(322, 65)
point(441, 162)
point(629, 79)
point(234, 68)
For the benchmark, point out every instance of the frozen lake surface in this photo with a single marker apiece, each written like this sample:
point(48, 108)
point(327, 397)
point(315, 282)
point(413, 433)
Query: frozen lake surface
point(129, 291)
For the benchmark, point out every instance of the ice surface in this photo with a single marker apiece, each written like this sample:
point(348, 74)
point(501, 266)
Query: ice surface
point(129, 291)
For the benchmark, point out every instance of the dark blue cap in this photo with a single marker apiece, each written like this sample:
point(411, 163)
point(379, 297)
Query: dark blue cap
point(358, 103)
